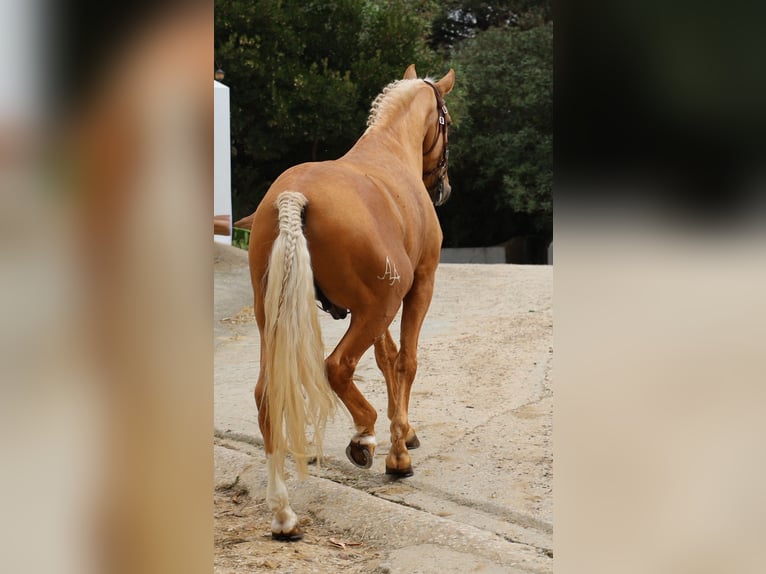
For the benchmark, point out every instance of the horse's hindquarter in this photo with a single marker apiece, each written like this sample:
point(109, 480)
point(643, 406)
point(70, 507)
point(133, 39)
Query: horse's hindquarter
point(364, 241)
point(369, 227)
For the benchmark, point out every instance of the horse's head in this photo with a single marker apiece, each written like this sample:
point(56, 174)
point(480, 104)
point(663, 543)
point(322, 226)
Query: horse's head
point(436, 140)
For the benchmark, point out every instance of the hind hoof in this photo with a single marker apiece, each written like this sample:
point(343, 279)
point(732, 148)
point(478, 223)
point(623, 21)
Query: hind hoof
point(412, 443)
point(399, 472)
point(293, 536)
point(359, 454)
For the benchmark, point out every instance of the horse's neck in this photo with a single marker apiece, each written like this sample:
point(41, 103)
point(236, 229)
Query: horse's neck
point(394, 138)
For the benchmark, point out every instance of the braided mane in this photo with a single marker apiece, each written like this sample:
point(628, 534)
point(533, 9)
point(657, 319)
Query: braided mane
point(389, 99)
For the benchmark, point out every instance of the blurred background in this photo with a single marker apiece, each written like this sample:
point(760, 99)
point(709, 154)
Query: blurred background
point(660, 274)
point(105, 267)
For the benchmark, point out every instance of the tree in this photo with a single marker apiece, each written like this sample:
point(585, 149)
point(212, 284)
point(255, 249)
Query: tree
point(503, 168)
point(303, 74)
point(457, 20)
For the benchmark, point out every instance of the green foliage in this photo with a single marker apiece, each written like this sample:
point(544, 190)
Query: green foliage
point(240, 238)
point(457, 20)
point(302, 75)
point(503, 141)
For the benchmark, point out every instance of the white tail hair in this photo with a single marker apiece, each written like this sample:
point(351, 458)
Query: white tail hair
point(297, 390)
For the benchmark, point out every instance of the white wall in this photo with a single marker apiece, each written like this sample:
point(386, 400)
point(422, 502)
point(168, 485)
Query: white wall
point(222, 157)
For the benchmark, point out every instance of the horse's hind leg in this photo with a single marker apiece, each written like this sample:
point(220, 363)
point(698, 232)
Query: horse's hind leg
point(413, 312)
point(340, 372)
point(284, 522)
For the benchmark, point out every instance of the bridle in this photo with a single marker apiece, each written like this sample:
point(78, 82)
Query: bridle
point(437, 191)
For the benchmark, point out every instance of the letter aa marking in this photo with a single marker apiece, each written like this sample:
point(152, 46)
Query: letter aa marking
point(390, 273)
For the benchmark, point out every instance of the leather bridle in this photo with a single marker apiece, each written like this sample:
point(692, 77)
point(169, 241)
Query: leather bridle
point(437, 190)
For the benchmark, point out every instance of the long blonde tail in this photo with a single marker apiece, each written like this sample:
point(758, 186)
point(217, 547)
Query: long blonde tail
point(298, 393)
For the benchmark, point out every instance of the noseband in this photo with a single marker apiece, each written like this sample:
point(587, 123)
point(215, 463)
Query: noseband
point(437, 191)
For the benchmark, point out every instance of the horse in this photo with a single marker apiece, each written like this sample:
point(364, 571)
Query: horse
point(359, 234)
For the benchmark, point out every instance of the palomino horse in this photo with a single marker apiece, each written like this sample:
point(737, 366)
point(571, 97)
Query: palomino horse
point(359, 234)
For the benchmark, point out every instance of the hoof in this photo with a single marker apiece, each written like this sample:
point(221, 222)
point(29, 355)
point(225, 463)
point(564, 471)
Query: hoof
point(293, 536)
point(359, 454)
point(412, 443)
point(399, 472)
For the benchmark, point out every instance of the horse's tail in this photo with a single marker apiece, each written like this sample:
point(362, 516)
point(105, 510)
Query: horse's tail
point(297, 391)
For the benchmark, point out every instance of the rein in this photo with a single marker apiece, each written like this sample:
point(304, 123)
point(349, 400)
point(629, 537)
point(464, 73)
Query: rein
point(437, 190)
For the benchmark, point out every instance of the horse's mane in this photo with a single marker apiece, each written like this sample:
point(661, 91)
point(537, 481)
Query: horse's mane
point(387, 100)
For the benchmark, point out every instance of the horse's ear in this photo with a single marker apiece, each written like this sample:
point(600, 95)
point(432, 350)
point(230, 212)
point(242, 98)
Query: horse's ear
point(446, 83)
point(410, 73)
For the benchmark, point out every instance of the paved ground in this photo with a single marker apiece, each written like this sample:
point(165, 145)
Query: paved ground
point(481, 497)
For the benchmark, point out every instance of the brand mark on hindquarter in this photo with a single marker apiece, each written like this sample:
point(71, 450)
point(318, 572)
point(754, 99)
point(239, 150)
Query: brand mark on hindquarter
point(390, 274)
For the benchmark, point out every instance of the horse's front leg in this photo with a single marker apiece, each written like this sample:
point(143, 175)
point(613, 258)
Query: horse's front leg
point(398, 461)
point(385, 356)
point(403, 436)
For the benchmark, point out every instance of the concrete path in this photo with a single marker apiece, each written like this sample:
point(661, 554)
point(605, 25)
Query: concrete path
point(481, 497)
